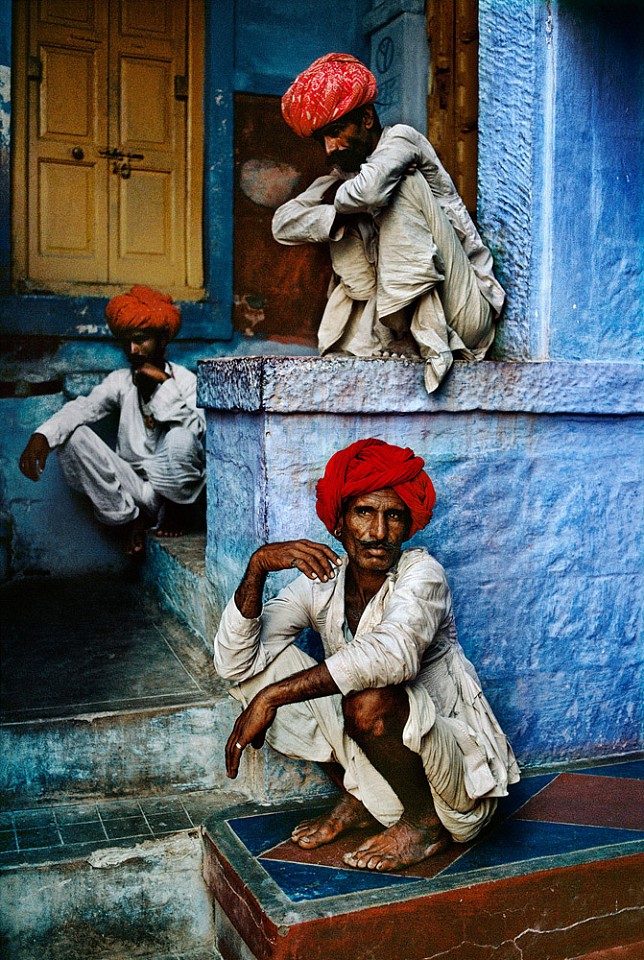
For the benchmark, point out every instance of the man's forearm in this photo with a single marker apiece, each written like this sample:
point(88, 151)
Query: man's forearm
point(249, 593)
point(305, 685)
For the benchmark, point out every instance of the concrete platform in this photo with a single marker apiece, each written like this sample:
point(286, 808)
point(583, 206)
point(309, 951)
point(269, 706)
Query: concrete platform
point(557, 875)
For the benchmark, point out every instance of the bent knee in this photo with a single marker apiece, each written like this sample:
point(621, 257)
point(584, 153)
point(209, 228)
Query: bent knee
point(375, 712)
point(183, 444)
point(82, 439)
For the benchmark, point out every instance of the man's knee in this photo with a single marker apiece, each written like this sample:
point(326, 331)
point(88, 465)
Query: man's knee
point(374, 713)
point(183, 446)
point(79, 443)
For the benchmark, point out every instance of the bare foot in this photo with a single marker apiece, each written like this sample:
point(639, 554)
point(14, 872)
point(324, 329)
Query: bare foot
point(401, 845)
point(405, 347)
point(173, 520)
point(134, 537)
point(347, 814)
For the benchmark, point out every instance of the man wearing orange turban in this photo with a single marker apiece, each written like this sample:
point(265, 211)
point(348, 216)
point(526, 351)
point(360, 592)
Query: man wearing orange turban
point(411, 273)
point(158, 468)
point(394, 712)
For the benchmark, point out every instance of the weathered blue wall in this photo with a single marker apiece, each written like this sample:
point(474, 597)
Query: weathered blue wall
point(560, 181)
point(538, 520)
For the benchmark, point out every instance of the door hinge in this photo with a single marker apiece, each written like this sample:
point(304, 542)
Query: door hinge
point(34, 68)
point(181, 87)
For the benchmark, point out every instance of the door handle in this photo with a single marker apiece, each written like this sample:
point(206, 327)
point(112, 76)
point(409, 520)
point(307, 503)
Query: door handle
point(113, 153)
point(77, 153)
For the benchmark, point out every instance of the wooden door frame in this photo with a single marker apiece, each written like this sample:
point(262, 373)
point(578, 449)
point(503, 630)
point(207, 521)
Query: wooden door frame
point(452, 103)
point(194, 270)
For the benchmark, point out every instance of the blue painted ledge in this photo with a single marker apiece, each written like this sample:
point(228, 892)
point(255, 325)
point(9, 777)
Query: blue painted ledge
point(350, 385)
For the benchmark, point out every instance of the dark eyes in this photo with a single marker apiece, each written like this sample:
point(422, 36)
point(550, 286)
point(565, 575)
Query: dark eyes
point(391, 514)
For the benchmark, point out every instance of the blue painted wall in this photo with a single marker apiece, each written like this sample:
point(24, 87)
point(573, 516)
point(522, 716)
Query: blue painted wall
point(538, 524)
point(598, 195)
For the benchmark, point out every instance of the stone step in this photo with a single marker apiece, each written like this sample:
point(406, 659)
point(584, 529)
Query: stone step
point(175, 569)
point(107, 695)
point(108, 880)
point(557, 875)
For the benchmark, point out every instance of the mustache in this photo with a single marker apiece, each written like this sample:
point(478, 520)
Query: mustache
point(376, 544)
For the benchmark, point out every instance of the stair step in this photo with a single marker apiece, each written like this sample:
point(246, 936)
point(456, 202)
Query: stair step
point(557, 875)
point(176, 570)
point(105, 694)
point(108, 880)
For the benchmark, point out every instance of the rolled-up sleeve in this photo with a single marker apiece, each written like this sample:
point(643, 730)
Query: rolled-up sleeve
point(175, 402)
point(392, 652)
point(306, 219)
point(373, 186)
point(244, 647)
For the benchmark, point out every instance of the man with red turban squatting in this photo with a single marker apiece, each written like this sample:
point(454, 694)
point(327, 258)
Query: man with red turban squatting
point(411, 274)
point(395, 713)
point(158, 468)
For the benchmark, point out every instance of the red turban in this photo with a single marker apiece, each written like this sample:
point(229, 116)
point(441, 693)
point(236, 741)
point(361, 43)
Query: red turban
point(332, 86)
point(143, 309)
point(369, 465)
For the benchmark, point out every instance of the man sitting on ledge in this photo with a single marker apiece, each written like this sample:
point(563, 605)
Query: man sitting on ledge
point(412, 275)
point(395, 713)
point(158, 468)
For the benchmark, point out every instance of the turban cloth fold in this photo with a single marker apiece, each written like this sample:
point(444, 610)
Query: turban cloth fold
point(143, 309)
point(369, 465)
point(332, 86)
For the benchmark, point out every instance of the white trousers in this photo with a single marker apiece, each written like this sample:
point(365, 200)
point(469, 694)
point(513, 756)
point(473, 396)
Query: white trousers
point(314, 730)
point(422, 282)
point(117, 491)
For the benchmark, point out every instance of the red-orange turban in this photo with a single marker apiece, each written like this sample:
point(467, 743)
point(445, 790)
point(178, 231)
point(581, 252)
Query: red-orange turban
point(332, 86)
point(369, 465)
point(143, 309)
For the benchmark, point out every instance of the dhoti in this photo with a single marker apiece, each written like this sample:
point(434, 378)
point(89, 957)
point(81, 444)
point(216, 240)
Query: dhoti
point(422, 282)
point(314, 730)
point(118, 491)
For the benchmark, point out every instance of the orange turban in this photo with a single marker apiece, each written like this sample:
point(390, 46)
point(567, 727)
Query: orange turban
point(143, 309)
point(332, 86)
point(369, 465)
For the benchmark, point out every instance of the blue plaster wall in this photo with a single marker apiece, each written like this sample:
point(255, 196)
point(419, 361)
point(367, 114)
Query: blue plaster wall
point(560, 179)
point(538, 523)
point(598, 205)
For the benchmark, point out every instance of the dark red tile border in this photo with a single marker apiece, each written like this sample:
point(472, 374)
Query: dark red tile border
point(592, 801)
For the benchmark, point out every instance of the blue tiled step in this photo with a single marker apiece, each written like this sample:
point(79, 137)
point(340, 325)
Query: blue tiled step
point(557, 875)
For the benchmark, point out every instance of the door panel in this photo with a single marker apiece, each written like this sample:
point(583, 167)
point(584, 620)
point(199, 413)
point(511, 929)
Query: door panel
point(148, 208)
point(68, 126)
point(102, 78)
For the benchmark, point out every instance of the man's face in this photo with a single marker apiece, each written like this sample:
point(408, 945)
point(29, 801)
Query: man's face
point(142, 347)
point(373, 529)
point(347, 145)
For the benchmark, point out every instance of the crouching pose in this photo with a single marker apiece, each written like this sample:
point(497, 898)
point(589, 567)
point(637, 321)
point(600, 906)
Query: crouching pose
point(395, 713)
point(158, 468)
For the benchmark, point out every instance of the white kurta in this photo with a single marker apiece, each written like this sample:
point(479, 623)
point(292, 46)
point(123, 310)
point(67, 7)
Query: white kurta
point(412, 245)
point(406, 635)
point(150, 463)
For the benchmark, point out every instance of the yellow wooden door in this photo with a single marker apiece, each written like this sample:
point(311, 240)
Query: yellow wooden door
point(67, 183)
point(113, 153)
point(147, 120)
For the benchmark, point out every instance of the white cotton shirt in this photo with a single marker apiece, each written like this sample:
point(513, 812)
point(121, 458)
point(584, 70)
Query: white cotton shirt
point(406, 635)
point(173, 404)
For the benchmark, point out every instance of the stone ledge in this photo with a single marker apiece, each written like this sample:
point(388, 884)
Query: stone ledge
point(343, 385)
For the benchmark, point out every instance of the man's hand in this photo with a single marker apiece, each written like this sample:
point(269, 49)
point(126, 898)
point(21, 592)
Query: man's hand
point(34, 457)
point(250, 728)
point(148, 371)
point(316, 560)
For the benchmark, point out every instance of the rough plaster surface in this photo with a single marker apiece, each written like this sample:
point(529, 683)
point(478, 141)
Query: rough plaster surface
point(139, 902)
point(350, 385)
point(508, 100)
point(117, 755)
point(537, 524)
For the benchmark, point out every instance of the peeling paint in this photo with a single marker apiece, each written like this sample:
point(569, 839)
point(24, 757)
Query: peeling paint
point(5, 106)
point(267, 183)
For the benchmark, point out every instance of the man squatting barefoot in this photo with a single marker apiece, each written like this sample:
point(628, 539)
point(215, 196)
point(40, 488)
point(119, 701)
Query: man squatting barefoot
point(395, 713)
point(158, 468)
